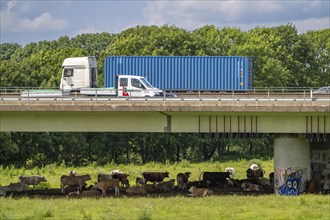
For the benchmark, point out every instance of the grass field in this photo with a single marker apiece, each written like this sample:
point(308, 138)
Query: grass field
point(214, 207)
point(178, 207)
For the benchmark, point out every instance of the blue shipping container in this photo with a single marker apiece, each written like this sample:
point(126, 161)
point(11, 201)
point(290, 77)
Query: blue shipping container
point(184, 73)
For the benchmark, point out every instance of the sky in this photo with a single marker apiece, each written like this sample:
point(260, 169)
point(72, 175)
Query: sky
point(25, 21)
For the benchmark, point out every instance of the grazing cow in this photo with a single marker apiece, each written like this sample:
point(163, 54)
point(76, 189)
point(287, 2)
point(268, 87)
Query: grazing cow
point(106, 184)
point(166, 186)
point(200, 191)
point(18, 187)
point(313, 186)
point(72, 173)
point(263, 181)
point(85, 194)
point(231, 171)
point(79, 181)
point(251, 187)
point(140, 181)
point(137, 190)
point(182, 180)
point(32, 180)
point(154, 176)
point(124, 182)
point(213, 178)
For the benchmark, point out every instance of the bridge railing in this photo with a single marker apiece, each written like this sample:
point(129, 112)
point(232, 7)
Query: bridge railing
point(257, 93)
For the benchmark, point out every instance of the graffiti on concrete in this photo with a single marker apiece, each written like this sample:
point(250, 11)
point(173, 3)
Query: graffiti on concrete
point(289, 181)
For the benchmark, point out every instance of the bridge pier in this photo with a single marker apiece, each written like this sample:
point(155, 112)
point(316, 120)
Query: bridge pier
point(292, 166)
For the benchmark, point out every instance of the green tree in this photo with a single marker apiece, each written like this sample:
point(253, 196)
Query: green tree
point(7, 50)
point(319, 70)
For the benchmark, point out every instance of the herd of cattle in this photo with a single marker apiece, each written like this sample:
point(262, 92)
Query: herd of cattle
point(117, 180)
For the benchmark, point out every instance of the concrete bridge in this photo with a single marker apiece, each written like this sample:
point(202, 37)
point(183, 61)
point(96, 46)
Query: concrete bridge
point(301, 126)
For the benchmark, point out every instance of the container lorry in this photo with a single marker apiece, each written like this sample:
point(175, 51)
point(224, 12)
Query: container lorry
point(79, 74)
point(185, 73)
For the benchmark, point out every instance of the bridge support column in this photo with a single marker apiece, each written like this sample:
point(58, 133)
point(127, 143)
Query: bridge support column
point(291, 164)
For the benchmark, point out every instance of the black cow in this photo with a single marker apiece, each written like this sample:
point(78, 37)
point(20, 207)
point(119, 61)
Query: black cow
point(213, 178)
point(154, 176)
point(255, 174)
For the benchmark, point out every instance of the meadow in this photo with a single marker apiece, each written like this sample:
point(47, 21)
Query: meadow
point(177, 207)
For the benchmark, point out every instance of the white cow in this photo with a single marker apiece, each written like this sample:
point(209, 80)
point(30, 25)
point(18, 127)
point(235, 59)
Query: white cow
point(231, 171)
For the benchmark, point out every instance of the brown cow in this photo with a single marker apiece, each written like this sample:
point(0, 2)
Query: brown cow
point(18, 187)
point(182, 180)
point(79, 181)
point(251, 187)
point(154, 176)
point(32, 180)
point(214, 178)
point(200, 191)
point(137, 190)
point(166, 186)
point(85, 194)
point(106, 184)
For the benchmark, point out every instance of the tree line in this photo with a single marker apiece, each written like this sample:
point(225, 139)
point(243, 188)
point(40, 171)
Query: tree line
point(282, 58)
point(79, 149)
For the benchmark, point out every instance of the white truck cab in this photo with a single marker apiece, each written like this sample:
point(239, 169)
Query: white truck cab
point(80, 74)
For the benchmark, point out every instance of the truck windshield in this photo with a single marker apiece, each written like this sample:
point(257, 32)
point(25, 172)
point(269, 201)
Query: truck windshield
point(146, 83)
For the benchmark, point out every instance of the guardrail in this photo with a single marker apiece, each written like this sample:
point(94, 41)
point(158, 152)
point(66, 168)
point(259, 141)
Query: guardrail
point(293, 94)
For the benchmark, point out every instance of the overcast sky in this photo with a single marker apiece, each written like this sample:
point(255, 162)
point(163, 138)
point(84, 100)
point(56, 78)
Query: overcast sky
point(24, 21)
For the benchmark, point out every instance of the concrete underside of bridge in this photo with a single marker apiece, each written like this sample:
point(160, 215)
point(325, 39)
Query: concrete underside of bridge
point(193, 122)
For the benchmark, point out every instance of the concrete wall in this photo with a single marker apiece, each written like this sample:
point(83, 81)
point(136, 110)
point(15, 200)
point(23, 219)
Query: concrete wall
point(292, 166)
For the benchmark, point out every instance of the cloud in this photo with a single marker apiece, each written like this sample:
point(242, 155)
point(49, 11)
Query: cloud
point(13, 19)
point(44, 22)
point(194, 14)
